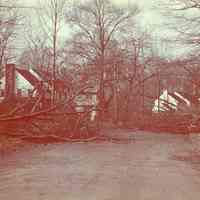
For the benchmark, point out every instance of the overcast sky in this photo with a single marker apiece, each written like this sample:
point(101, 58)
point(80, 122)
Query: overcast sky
point(145, 5)
point(119, 2)
point(149, 17)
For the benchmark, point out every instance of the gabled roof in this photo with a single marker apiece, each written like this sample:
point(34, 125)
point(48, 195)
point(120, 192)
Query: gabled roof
point(35, 76)
point(179, 99)
point(47, 77)
point(190, 97)
point(170, 100)
point(33, 80)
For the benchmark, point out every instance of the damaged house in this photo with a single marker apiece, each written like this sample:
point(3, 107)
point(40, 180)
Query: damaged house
point(22, 83)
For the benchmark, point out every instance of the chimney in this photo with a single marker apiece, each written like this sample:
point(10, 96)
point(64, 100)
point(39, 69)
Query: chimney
point(10, 81)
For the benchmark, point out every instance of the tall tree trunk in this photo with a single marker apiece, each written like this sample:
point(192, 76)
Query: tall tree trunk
point(54, 55)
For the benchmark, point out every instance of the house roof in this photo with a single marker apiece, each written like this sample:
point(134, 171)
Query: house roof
point(33, 80)
point(190, 97)
point(179, 99)
point(47, 77)
point(35, 76)
point(170, 100)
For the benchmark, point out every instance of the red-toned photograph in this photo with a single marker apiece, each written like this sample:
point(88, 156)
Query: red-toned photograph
point(100, 99)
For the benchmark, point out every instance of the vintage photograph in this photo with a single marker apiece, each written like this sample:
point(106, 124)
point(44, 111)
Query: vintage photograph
point(100, 99)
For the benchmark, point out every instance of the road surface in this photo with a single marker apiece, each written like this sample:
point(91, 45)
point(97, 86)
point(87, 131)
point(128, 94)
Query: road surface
point(144, 169)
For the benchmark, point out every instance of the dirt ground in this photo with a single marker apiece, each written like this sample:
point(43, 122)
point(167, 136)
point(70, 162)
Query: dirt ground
point(148, 167)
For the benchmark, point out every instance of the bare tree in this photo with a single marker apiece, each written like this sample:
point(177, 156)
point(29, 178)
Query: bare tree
point(185, 22)
point(9, 20)
point(98, 24)
point(51, 18)
point(187, 14)
point(37, 54)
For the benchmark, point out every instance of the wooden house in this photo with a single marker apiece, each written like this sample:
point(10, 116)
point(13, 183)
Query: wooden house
point(21, 83)
point(172, 101)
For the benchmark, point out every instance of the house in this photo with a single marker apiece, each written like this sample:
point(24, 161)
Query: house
point(62, 85)
point(87, 99)
point(171, 101)
point(20, 82)
point(17, 82)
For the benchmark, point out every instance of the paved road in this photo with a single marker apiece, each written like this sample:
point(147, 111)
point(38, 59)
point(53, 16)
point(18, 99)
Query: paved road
point(145, 169)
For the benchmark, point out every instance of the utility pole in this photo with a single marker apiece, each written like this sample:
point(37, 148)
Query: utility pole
point(143, 92)
point(143, 77)
point(159, 88)
point(116, 90)
point(54, 53)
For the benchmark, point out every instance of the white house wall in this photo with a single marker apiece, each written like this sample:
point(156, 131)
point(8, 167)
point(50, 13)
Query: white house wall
point(164, 97)
point(22, 84)
point(84, 100)
point(2, 86)
point(3, 83)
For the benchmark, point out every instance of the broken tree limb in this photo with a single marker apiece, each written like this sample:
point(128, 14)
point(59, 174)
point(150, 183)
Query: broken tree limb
point(42, 112)
point(57, 139)
point(36, 104)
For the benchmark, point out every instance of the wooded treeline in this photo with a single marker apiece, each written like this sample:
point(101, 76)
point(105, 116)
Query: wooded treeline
point(107, 54)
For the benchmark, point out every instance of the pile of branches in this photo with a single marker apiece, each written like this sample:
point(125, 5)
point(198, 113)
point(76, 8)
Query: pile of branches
point(58, 122)
point(168, 122)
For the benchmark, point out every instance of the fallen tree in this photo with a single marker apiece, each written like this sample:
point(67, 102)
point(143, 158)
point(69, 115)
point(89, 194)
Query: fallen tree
point(61, 120)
